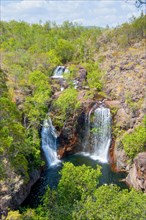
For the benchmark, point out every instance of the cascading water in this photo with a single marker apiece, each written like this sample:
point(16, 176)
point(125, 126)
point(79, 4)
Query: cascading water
point(97, 141)
point(59, 71)
point(96, 146)
point(49, 146)
point(86, 141)
point(101, 134)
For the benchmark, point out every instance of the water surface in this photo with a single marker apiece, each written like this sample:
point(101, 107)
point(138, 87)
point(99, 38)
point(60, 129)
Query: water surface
point(50, 177)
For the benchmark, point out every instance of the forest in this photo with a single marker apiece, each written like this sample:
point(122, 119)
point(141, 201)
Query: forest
point(29, 55)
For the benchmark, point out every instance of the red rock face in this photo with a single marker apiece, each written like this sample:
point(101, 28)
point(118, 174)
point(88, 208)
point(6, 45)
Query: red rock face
point(112, 159)
point(68, 148)
point(137, 174)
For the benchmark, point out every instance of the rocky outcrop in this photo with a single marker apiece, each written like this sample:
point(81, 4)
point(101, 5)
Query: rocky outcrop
point(16, 191)
point(120, 158)
point(125, 74)
point(81, 77)
point(124, 83)
point(137, 174)
point(72, 134)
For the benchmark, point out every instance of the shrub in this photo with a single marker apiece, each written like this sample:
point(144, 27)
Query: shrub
point(135, 142)
point(67, 103)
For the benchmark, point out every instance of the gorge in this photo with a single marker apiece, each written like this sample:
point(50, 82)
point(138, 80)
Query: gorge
point(72, 121)
point(96, 144)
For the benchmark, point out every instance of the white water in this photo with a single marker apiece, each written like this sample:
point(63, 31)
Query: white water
point(101, 135)
point(58, 72)
point(86, 141)
point(75, 83)
point(49, 146)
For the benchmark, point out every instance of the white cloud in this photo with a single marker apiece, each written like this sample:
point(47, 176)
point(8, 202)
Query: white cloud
point(79, 21)
point(100, 12)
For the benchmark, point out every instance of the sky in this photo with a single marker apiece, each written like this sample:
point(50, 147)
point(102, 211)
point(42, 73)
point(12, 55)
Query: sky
point(85, 12)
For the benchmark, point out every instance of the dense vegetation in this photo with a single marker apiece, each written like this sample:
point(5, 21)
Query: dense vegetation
point(135, 142)
point(77, 197)
point(17, 151)
point(29, 54)
point(127, 33)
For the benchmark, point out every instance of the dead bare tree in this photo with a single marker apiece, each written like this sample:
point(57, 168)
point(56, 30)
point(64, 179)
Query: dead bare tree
point(140, 3)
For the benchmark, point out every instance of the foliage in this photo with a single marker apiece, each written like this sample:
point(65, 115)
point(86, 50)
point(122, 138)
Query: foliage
point(94, 75)
point(35, 105)
point(16, 150)
point(109, 202)
point(114, 110)
point(35, 109)
point(67, 103)
point(140, 3)
point(30, 52)
point(71, 75)
point(127, 33)
point(29, 214)
point(13, 142)
point(15, 215)
point(78, 197)
point(75, 183)
point(135, 142)
point(65, 50)
point(133, 105)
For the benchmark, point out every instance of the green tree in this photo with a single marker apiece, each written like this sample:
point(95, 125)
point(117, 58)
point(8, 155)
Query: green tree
point(78, 197)
point(35, 106)
point(135, 142)
point(13, 148)
point(109, 202)
point(94, 75)
point(64, 50)
point(14, 215)
point(75, 183)
point(66, 105)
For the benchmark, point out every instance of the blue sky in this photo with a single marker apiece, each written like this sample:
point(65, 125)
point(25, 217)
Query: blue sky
point(99, 12)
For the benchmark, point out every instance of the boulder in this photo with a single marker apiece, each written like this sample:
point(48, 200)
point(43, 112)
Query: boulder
point(123, 119)
point(81, 76)
point(120, 157)
point(137, 174)
point(112, 103)
point(13, 195)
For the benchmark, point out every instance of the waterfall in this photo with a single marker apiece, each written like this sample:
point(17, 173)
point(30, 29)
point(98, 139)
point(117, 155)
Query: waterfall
point(101, 134)
point(97, 141)
point(86, 141)
point(58, 72)
point(49, 146)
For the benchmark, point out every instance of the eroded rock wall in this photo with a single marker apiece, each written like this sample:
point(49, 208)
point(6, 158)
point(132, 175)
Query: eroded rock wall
point(124, 83)
point(14, 192)
point(137, 174)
